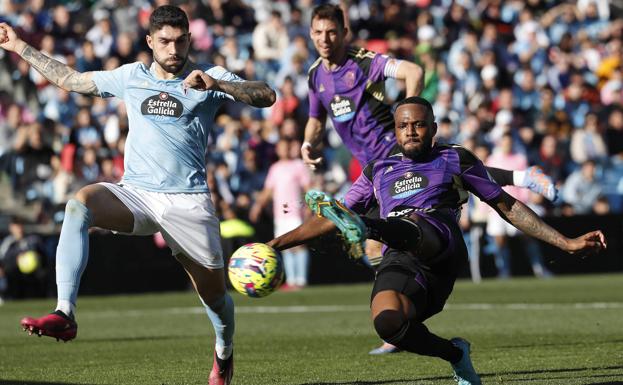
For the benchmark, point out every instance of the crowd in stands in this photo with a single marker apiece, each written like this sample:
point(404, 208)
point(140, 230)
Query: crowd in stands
point(547, 73)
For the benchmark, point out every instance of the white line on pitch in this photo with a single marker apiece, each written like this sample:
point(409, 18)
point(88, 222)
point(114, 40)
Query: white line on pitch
point(354, 308)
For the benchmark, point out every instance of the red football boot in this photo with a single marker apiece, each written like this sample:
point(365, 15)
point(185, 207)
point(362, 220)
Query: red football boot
point(222, 371)
point(56, 325)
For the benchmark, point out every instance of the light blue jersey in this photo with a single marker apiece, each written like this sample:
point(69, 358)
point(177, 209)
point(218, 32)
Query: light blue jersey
point(165, 150)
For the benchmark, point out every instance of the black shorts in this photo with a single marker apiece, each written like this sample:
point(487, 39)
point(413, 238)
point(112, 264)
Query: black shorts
point(374, 212)
point(427, 291)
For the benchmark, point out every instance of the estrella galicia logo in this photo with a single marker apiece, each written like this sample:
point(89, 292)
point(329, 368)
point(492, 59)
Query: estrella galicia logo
point(410, 183)
point(343, 108)
point(162, 105)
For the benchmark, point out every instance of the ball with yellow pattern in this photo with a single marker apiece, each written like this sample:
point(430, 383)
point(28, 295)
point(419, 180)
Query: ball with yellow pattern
point(256, 270)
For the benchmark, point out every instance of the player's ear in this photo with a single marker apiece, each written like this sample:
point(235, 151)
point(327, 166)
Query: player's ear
point(434, 129)
point(149, 41)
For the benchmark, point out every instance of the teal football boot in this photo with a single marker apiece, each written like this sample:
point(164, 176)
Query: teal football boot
point(352, 227)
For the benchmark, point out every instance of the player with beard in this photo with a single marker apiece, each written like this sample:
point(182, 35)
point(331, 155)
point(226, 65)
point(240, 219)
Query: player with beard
point(419, 190)
point(171, 108)
point(347, 84)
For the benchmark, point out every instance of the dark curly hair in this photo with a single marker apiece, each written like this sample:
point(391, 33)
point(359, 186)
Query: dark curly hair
point(167, 15)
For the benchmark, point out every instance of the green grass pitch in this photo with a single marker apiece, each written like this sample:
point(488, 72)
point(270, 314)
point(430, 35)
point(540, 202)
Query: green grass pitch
point(567, 330)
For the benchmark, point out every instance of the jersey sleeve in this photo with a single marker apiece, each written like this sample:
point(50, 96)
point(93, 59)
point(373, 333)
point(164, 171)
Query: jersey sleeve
point(113, 83)
point(316, 110)
point(220, 73)
point(360, 197)
point(475, 177)
point(376, 72)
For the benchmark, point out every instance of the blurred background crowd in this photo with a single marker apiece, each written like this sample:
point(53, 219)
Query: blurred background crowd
point(536, 82)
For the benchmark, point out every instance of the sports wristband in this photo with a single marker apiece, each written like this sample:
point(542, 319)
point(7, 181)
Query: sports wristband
point(305, 145)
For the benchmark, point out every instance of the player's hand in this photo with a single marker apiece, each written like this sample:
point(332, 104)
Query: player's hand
point(306, 151)
point(538, 181)
point(199, 80)
point(589, 243)
point(8, 37)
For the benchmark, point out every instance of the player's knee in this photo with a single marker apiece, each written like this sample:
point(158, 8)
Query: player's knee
point(85, 195)
point(77, 210)
point(374, 248)
point(390, 325)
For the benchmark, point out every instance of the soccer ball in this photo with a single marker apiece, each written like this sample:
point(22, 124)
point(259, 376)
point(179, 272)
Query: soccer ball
point(256, 270)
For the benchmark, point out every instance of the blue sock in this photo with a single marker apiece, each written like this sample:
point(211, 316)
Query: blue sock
point(221, 313)
point(72, 253)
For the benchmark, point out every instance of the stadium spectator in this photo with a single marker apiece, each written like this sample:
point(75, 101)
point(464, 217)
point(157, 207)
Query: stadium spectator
point(32, 161)
point(582, 188)
point(587, 142)
point(505, 156)
point(22, 262)
point(287, 103)
point(601, 206)
point(614, 133)
point(123, 49)
point(270, 41)
point(101, 34)
point(235, 57)
point(285, 185)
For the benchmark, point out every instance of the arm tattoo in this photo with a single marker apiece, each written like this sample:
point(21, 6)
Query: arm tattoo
point(58, 73)
point(253, 93)
point(526, 220)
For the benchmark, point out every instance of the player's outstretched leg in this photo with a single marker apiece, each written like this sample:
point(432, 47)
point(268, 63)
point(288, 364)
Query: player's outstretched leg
point(72, 255)
point(221, 314)
point(464, 372)
point(352, 227)
point(210, 285)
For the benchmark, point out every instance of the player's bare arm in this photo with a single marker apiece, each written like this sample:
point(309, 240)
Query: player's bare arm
point(310, 229)
point(56, 72)
point(526, 220)
point(314, 130)
point(253, 93)
point(413, 76)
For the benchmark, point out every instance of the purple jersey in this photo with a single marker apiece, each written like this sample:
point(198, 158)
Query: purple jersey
point(440, 182)
point(352, 96)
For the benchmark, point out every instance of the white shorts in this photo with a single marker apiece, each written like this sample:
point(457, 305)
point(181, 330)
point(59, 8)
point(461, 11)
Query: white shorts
point(187, 221)
point(282, 226)
point(496, 226)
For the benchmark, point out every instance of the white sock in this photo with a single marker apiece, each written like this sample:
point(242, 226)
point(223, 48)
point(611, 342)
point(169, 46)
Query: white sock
point(66, 307)
point(519, 178)
point(223, 352)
